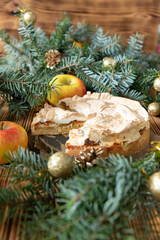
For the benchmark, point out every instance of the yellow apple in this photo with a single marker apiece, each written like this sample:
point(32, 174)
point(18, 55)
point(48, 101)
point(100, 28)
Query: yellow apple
point(68, 86)
point(12, 135)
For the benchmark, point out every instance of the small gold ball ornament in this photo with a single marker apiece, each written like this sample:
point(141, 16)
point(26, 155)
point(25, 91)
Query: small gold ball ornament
point(60, 164)
point(29, 17)
point(154, 185)
point(108, 63)
point(154, 109)
point(156, 84)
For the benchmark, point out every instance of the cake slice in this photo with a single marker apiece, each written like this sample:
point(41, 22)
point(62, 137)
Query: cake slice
point(55, 120)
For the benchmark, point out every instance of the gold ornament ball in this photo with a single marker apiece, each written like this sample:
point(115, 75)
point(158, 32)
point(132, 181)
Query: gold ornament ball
point(108, 62)
point(156, 84)
point(154, 109)
point(154, 185)
point(60, 164)
point(29, 17)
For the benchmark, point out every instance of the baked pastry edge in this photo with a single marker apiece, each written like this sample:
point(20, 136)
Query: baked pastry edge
point(125, 149)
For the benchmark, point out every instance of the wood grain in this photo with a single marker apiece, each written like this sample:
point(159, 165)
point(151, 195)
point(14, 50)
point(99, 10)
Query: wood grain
point(123, 17)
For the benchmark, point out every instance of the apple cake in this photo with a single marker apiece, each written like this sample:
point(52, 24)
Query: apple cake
point(99, 120)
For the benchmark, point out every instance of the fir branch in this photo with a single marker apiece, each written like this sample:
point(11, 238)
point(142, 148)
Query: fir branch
point(130, 71)
point(76, 198)
point(117, 181)
point(21, 197)
point(42, 40)
point(44, 87)
point(6, 38)
point(28, 32)
point(68, 226)
point(128, 77)
point(135, 45)
point(17, 107)
point(126, 61)
point(108, 46)
point(59, 39)
point(64, 68)
point(93, 81)
point(26, 83)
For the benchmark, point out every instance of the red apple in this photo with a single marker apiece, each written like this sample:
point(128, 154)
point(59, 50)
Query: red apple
point(68, 86)
point(12, 135)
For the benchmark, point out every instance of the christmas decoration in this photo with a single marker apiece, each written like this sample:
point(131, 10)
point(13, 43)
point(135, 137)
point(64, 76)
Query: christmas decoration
point(156, 84)
point(29, 17)
point(154, 108)
point(154, 185)
point(53, 58)
point(89, 156)
point(75, 43)
point(108, 63)
point(155, 146)
point(60, 165)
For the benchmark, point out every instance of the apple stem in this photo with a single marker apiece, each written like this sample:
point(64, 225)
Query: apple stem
point(2, 126)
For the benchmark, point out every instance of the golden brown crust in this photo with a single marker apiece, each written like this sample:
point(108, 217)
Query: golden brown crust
point(125, 149)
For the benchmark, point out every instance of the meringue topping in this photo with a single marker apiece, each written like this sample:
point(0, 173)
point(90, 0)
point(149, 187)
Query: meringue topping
point(106, 119)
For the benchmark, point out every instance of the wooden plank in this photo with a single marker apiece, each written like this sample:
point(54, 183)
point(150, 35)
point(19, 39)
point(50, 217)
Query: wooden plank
point(118, 16)
point(155, 124)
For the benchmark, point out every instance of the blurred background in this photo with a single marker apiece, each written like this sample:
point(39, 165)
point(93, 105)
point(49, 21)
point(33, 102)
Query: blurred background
point(123, 17)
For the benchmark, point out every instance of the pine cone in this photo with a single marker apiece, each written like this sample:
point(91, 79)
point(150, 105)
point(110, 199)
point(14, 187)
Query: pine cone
point(89, 157)
point(53, 58)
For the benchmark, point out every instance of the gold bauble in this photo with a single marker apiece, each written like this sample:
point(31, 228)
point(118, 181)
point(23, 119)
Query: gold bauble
point(154, 108)
point(60, 164)
point(108, 63)
point(154, 185)
point(156, 84)
point(29, 17)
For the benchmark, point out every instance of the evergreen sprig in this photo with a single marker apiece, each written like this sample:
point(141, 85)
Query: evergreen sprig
point(25, 77)
point(96, 203)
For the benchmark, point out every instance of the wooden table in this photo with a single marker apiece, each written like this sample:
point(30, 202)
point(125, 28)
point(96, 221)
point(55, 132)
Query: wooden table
point(9, 230)
point(125, 17)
